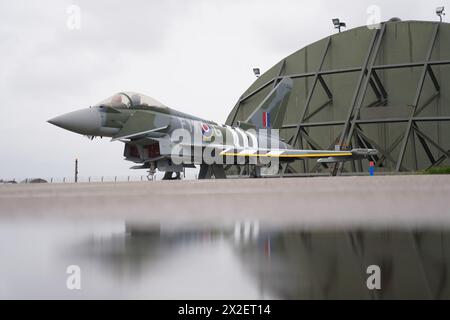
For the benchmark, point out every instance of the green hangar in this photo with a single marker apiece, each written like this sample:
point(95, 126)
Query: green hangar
point(385, 87)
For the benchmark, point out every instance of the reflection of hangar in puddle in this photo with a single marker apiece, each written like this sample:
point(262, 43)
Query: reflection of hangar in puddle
point(287, 264)
point(370, 88)
point(333, 264)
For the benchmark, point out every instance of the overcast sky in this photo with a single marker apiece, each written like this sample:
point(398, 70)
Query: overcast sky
point(195, 56)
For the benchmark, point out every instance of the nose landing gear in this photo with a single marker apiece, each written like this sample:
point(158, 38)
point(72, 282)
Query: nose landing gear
point(151, 172)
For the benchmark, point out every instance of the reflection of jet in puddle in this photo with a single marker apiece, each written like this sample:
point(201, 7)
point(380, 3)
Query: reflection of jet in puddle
point(295, 264)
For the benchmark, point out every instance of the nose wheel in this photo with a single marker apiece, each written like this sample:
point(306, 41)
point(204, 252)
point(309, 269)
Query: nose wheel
point(151, 176)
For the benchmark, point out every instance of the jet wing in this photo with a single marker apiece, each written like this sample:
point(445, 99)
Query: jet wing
point(322, 155)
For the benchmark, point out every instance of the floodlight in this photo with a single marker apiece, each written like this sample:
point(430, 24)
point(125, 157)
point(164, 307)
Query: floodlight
point(338, 24)
point(440, 12)
point(257, 72)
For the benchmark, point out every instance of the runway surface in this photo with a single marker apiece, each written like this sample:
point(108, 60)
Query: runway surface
point(330, 202)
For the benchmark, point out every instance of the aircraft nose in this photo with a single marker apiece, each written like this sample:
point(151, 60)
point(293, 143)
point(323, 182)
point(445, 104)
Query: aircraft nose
point(85, 121)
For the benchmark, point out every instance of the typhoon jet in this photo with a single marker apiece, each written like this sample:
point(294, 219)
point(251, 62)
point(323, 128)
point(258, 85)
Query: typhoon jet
point(157, 137)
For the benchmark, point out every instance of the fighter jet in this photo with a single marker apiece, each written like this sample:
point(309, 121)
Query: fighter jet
point(157, 137)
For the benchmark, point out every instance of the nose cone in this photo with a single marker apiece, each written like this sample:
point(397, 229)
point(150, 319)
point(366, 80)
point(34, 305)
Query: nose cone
point(85, 121)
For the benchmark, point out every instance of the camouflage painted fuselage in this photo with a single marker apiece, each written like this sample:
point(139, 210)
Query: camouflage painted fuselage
point(150, 133)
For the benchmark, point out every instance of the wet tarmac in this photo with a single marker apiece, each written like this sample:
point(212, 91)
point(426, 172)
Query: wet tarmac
point(309, 238)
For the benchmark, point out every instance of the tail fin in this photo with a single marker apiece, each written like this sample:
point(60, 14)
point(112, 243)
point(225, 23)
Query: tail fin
point(270, 113)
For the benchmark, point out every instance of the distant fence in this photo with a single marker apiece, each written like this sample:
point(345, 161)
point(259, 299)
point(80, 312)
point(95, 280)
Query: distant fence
point(143, 178)
point(89, 179)
point(98, 179)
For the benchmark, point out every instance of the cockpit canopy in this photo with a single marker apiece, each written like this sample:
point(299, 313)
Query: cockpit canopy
point(130, 99)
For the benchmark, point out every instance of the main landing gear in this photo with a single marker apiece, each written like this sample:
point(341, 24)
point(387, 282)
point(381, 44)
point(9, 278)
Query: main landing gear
point(207, 171)
point(169, 175)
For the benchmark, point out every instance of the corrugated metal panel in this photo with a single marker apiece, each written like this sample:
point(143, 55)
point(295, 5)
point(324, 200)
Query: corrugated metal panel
point(401, 43)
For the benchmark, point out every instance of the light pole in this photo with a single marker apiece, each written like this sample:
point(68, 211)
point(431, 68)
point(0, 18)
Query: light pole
point(440, 12)
point(76, 170)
